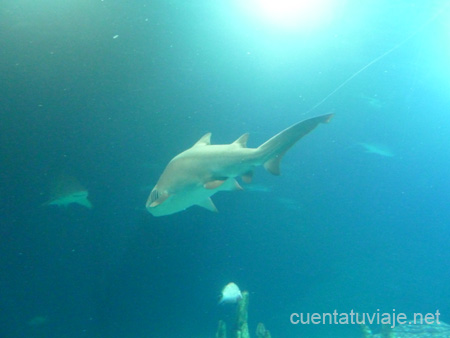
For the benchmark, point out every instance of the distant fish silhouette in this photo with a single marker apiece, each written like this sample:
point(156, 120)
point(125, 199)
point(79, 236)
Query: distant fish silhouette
point(230, 294)
point(372, 101)
point(38, 321)
point(377, 149)
point(67, 190)
point(291, 204)
point(255, 187)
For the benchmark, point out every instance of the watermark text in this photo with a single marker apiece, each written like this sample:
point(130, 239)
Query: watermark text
point(385, 318)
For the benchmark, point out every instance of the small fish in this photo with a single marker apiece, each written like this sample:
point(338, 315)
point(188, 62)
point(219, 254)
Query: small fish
point(230, 294)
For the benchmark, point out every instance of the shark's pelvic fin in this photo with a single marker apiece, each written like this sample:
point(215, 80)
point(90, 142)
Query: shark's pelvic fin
point(235, 185)
point(229, 184)
point(208, 204)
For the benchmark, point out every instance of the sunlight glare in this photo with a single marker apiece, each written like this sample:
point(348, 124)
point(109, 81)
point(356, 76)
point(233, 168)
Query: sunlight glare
point(292, 14)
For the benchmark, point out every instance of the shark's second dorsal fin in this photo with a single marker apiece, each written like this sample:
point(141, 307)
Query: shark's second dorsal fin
point(242, 141)
point(205, 140)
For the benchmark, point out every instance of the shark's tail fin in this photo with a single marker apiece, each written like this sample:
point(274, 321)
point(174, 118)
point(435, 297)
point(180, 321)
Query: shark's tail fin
point(272, 151)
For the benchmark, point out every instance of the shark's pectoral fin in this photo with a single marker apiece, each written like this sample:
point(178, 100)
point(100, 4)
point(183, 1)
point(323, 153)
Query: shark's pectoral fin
point(248, 176)
point(208, 204)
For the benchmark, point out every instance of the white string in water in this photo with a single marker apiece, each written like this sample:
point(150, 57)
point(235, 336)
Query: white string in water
point(378, 58)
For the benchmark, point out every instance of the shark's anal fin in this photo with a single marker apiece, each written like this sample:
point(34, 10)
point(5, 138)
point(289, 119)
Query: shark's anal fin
point(208, 204)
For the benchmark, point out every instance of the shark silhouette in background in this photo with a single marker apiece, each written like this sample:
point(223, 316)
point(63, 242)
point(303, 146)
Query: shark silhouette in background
point(67, 190)
point(377, 149)
point(199, 172)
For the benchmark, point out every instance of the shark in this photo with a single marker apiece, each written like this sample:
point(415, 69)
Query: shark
point(194, 175)
point(67, 190)
point(377, 149)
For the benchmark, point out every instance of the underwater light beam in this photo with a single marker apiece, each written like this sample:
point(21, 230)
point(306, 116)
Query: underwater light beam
point(293, 15)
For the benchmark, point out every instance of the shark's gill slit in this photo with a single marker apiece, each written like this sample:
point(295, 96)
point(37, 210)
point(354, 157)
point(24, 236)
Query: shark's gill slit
point(154, 195)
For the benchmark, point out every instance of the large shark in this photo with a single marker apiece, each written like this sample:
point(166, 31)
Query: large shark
point(196, 174)
point(67, 190)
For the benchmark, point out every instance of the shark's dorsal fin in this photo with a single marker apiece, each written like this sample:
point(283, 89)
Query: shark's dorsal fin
point(205, 140)
point(208, 204)
point(242, 141)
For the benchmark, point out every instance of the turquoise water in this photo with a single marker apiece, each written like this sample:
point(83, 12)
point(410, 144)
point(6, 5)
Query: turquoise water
point(109, 91)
